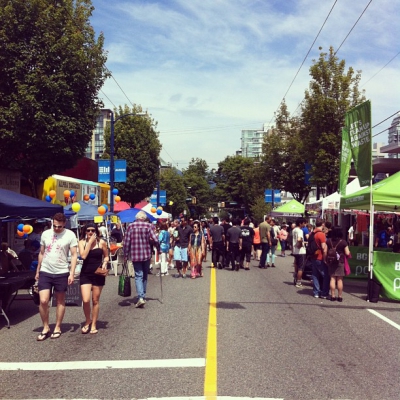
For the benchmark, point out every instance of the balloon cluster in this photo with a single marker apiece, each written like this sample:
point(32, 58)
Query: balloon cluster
point(117, 199)
point(157, 210)
point(24, 230)
point(102, 209)
point(51, 196)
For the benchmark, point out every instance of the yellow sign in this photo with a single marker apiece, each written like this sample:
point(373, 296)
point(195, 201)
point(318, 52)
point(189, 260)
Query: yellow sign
point(114, 219)
point(98, 219)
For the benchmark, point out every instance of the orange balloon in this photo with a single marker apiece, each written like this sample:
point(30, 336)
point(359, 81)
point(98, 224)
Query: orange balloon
point(67, 193)
point(101, 210)
point(86, 197)
point(153, 210)
point(52, 194)
point(117, 199)
point(19, 233)
point(26, 228)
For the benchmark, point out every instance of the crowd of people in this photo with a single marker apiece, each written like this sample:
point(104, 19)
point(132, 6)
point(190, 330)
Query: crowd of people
point(182, 244)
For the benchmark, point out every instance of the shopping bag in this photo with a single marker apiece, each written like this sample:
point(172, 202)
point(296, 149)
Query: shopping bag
point(124, 283)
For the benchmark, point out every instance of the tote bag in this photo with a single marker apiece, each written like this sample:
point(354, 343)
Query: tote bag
point(124, 283)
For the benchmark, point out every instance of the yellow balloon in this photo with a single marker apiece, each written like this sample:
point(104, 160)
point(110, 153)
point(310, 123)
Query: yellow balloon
point(30, 229)
point(76, 207)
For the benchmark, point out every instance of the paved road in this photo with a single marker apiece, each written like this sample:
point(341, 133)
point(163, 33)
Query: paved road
point(273, 341)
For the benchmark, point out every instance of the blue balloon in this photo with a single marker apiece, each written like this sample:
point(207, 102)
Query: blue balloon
point(20, 227)
point(115, 191)
point(105, 206)
point(159, 212)
point(92, 196)
point(72, 193)
point(48, 198)
point(25, 235)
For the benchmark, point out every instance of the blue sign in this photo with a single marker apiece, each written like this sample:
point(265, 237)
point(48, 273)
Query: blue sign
point(268, 196)
point(163, 198)
point(119, 170)
point(307, 173)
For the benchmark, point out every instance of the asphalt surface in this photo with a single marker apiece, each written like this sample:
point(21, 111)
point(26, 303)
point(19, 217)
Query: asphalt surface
point(273, 341)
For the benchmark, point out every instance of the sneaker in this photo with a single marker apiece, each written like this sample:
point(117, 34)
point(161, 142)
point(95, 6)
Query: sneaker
point(219, 265)
point(316, 296)
point(273, 265)
point(166, 273)
point(298, 284)
point(323, 297)
point(140, 303)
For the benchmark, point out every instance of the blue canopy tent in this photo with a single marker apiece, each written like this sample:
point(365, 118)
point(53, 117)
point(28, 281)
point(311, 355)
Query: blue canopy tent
point(130, 215)
point(86, 213)
point(14, 206)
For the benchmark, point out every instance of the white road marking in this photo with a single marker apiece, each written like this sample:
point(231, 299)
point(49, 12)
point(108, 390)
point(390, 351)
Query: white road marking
point(110, 364)
point(217, 398)
point(382, 317)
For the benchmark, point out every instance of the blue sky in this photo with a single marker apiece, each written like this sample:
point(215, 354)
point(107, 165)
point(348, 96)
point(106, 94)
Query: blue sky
point(206, 69)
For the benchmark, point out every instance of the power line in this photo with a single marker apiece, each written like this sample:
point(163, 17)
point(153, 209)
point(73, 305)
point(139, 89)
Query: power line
point(122, 90)
point(107, 98)
point(305, 58)
point(373, 76)
point(370, 1)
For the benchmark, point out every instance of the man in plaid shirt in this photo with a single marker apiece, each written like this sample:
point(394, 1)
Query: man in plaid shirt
point(138, 241)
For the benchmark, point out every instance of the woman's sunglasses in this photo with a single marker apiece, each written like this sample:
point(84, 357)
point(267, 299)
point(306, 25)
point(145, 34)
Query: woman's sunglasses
point(90, 230)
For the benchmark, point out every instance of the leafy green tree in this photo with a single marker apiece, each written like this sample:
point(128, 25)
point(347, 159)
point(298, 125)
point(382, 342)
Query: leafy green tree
point(284, 156)
point(136, 141)
point(173, 183)
point(195, 179)
point(52, 67)
point(332, 92)
point(259, 208)
point(232, 180)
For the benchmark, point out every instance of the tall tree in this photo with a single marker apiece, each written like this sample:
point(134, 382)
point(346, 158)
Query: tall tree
point(232, 179)
point(52, 67)
point(195, 178)
point(136, 141)
point(333, 90)
point(284, 156)
point(173, 183)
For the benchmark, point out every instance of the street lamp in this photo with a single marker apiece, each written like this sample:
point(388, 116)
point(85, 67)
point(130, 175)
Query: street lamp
point(112, 172)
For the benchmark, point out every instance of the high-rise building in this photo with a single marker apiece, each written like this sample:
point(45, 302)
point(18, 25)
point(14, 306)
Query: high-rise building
point(96, 146)
point(393, 135)
point(251, 142)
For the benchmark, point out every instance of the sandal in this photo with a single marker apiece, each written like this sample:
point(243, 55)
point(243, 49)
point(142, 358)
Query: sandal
point(85, 329)
point(43, 336)
point(93, 331)
point(55, 335)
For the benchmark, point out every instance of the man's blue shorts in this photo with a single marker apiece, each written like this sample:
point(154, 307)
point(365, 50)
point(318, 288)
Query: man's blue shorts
point(180, 254)
point(48, 281)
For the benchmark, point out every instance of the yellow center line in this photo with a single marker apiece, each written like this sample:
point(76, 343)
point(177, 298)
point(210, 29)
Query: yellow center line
point(210, 382)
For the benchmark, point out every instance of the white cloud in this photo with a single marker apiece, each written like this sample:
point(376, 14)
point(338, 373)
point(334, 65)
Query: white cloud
point(206, 69)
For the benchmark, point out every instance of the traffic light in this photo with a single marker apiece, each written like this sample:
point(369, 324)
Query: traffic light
point(193, 200)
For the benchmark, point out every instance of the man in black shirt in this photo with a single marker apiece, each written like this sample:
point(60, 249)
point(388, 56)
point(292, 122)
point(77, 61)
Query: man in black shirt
point(217, 243)
point(226, 225)
point(247, 242)
point(181, 247)
point(234, 244)
point(117, 233)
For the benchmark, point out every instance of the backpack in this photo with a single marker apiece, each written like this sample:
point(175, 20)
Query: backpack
point(274, 240)
point(312, 246)
point(332, 256)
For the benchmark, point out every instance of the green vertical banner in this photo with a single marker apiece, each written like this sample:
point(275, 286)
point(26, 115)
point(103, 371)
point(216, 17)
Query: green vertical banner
point(345, 161)
point(358, 124)
point(387, 272)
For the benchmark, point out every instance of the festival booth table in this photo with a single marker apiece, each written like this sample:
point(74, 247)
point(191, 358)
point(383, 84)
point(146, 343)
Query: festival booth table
point(293, 208)
point(385, 197)
point(14, 207)
point(330, 204)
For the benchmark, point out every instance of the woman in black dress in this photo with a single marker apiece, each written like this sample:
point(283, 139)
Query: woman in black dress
point(93, 250)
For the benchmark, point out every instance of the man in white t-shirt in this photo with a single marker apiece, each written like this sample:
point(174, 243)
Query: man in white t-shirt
point(53, 272)
point(299, 250)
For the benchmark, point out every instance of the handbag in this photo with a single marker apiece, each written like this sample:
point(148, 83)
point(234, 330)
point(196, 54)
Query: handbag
point(101, 271)
point(347, 270)
point(124, 283)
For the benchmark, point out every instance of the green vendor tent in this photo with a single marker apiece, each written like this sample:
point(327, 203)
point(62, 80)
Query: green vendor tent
point(291, 209)
point(385, 196)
